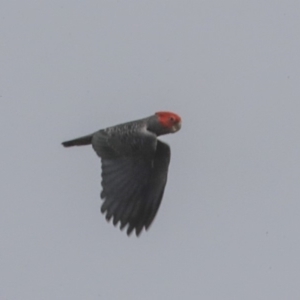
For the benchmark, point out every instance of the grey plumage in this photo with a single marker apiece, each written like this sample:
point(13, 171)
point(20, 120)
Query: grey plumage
point(134, 170)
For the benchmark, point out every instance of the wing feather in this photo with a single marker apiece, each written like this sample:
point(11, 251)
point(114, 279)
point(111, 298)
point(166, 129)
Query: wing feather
point(133, 177)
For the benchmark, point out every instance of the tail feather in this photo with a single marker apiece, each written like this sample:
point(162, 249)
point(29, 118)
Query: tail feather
point(81, 141)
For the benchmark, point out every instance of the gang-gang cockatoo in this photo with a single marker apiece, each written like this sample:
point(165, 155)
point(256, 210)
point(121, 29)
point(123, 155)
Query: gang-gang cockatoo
point(134, 168)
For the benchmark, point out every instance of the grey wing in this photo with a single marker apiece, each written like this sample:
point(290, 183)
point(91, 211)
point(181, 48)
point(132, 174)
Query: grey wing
point(151, 195)
point(133, 181)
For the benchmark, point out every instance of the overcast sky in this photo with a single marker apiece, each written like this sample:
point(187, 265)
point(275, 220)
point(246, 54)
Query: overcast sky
point(229, 225)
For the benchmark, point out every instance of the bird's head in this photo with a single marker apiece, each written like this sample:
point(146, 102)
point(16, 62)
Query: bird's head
point(165, 122)
point(169, 120)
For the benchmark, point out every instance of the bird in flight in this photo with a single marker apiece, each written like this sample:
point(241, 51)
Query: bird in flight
point(134, 168)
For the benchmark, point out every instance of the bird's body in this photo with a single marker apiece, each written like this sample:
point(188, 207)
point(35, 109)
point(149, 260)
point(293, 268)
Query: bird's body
point(134, 168)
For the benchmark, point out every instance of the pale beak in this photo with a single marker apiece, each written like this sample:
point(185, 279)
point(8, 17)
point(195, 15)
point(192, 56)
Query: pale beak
point(176, 127)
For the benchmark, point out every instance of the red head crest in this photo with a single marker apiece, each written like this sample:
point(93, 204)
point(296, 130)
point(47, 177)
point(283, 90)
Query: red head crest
point(169, 120)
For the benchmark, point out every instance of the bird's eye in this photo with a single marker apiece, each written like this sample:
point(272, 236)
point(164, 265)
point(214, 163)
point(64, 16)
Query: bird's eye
point(172, 119)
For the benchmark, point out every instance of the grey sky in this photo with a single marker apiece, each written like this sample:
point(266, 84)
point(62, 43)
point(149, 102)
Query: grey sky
point(228, 227)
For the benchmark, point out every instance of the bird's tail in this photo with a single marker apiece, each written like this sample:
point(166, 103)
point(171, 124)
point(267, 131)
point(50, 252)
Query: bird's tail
point(81, 141)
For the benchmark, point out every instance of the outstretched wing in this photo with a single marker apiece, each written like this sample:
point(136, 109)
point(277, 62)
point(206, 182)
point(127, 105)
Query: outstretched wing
point(134, 176)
